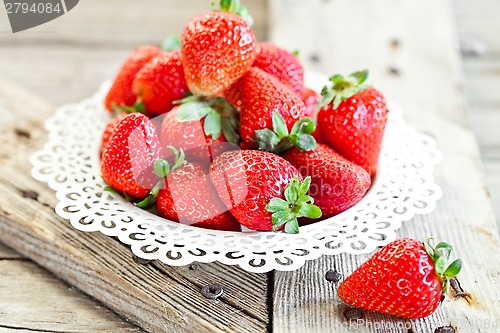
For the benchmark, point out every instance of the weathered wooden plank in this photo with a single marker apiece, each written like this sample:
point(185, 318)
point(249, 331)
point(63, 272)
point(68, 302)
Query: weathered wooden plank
point(35, 300)
point(7, 253)
point(417, 67)
point(94, 263)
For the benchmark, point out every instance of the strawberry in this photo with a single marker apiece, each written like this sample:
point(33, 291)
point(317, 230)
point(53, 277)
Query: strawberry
point(129, 155)
point(336, 183)
point(262, 190)
point(161, 82)
point(120, 93)
point(258, 94)
point(217, 48)
point(310, 99)
point(405, 278)
point(353, 118)
point(202, 128)
point(110, 128)
point(281, 64)
point(189, 198)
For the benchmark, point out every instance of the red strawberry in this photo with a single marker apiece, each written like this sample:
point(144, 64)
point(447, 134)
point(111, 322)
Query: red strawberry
point(131, 151)
point(253, 184)
point(190, 198)
point(310, 99)
point(281, 64)
point(258, 94)
point(110, 128)
point(120, 93)
point(200, 128)
point(405, 278)
point(353, 119)
point(336, 183)
point(217, 48)
point(161, 82)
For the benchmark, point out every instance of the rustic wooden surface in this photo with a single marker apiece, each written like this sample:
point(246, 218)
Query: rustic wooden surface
point(417, 66)
point(69, 57)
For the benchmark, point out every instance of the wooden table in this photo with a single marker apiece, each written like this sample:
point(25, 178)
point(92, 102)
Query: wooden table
point(416, 65)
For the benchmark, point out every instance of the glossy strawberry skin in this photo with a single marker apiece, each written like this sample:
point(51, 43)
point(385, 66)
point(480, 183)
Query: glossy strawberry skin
point(336, 183)
point(247, 180)
point(355, 129)
point(121, 92)
point(398, 280)
point(281, 64)
point(190, 137)
point(257, 94)
point(109, 130)
point(310, 99)
point(160, 83)
point(190, 198)
point(217, 48)
point(127, 160)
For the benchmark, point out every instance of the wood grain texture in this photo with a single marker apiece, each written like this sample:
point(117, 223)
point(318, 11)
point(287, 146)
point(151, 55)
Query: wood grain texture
point(158, 300)
point(417, 67)
point(7, 253)
point(33, 299)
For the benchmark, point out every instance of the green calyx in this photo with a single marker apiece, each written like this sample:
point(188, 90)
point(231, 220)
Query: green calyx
point(235, 7)
point(343, 87)
point(441, 257)
point(138, 107)
point(279, 139)
point(162, 169)
point(220, 116)
point(171, 43)
point(296, 204)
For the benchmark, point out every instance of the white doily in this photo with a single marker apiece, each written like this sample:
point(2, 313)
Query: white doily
point(69, 163)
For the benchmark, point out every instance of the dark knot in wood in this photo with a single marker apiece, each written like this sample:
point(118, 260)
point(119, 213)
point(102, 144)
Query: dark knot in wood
point(333, 276)
point(212, 291)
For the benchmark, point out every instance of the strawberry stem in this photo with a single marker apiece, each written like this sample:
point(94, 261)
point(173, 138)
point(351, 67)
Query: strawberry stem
point(279, 139)
point(440, 255)
point(343, 88)
point(138, 107)
point(296, 204)
point(235, 7)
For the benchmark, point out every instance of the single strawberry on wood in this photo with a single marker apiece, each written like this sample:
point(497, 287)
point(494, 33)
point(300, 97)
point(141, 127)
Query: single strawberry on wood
point(406, 278)
point(217, 49)
point(121, 93)
point(262, 190)
point(336, 183)
point(352, 119)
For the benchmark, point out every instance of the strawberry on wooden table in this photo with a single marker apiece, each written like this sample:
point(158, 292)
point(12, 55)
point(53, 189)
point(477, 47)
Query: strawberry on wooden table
point(217, 48)
point(190, 198)
point(352, 119)
point(160, 83)
point(262, 190)
point(406, 278)
point(257, 95)
point(129, 155)
point(121, 93)
point(336, 183)
point(281, 64)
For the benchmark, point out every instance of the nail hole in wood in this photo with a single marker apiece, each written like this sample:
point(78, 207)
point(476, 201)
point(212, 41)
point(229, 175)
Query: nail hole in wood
point(395, 43)
point(394, 71)
point(212, 291)
point(314, 58)
point(333, 276)
point(22, 133)
point(30, 195)
point(353, 313)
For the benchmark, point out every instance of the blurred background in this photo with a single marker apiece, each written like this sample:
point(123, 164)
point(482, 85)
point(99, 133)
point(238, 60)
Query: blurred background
point(66, 60)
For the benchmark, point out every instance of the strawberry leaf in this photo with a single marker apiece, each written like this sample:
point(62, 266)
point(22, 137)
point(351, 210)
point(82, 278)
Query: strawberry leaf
point(235, 7)
point(162, 168)
point(296, 204)
point(192, 111)
point(138, 107)
point(343, 88)
point(171, 43)
point(267, 140)
point(279, 126)
point(212, 125)
point(453, 269)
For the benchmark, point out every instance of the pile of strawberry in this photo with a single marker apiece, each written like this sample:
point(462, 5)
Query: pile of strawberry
point(218, 131)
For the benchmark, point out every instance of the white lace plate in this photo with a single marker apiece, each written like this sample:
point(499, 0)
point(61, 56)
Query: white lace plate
point(69, 163)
